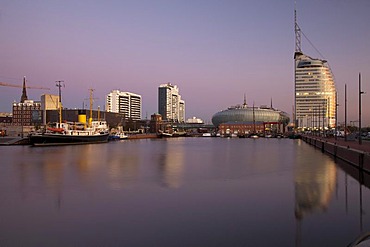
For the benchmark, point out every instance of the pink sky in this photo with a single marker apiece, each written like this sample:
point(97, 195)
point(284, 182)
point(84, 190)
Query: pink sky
point(215, 51)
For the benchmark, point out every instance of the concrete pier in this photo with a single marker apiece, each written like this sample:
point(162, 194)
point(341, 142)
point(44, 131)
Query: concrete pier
point(349, 151)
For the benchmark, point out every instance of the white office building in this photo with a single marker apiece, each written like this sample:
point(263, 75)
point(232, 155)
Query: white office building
point(170, 104)
point(128, 104)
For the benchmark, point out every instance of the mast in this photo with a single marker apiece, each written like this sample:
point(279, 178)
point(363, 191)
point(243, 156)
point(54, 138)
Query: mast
point(59, 85)
point(271, 104)
point(91, 106)
point(298, 50)
point(254, 120)
point(297, 31)
point(245, 100)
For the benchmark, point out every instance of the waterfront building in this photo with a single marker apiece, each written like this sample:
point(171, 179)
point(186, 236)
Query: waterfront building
point(126, 103)
point(155, 123)
point(272, 119)
point(49, 102)
point(6, 119)
point(170, 104)
point(27, 113)
point(315, 93)
point(241, 128)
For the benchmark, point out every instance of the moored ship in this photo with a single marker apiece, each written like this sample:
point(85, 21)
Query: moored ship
point(67, 133)
point(71, 133)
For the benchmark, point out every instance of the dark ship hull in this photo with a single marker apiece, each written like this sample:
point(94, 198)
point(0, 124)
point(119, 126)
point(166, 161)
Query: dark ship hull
point(60, 139)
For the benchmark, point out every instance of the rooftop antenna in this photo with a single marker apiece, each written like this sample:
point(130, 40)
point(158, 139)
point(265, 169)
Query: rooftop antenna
point(245, 100)
point(297, 31)
point(271, 104)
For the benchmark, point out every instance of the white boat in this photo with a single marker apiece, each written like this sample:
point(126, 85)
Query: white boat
point(118, 136)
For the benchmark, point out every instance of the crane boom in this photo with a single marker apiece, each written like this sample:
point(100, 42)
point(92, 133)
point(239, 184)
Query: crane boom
point(15, 85)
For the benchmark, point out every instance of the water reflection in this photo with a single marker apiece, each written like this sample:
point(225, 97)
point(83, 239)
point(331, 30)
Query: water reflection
point(123, 165)
point(223, 192)
point(171, 163)
point(314, 186)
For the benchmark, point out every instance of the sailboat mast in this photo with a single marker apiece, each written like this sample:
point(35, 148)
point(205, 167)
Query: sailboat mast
point(254, 120)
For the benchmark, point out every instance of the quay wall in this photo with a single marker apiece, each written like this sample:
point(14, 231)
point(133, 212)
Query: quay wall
point(357, 158)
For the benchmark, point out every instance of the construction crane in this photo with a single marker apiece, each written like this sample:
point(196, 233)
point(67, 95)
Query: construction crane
point(15, 85)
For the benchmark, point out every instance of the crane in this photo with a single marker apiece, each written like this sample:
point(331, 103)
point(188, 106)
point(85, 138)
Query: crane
point(15, 85)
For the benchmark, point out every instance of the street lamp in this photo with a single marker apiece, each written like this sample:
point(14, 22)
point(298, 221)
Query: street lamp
point(359, 108)
point(345, 112)
point(336, 115)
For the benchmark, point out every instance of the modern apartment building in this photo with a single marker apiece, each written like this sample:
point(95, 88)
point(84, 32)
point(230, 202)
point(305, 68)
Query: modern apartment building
point(315, 93)
point(128, 104)
point(170, 104)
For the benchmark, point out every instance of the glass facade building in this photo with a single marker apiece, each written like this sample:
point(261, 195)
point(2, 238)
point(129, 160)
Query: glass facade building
point(170, 104)
point(315, 93)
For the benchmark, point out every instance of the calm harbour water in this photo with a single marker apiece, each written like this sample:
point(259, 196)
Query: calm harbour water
point(179, 192)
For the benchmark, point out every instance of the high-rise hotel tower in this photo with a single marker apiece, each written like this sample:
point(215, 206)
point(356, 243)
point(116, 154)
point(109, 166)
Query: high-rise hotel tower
point(125, 103)
point(315, 93)
point(170, 104)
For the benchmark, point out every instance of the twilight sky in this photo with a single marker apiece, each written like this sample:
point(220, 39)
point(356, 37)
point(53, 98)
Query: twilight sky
point(215, 51)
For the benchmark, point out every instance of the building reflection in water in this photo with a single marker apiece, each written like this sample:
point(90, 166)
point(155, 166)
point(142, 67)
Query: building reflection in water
point(123, 167)
point(314, 184)
point(314, 187)
point(171, 164)
point(53, 171)
point(44, 172)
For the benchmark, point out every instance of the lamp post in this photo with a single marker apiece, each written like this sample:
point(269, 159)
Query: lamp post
point(336, 115)
point(345, 112)
point(359, 109)
point(323, 119)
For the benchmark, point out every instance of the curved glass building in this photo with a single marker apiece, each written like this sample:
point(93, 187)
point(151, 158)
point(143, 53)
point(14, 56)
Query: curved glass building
point(315, 93)
point(250, 114)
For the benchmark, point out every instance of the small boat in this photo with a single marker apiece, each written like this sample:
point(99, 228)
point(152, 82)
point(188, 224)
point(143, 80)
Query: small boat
point(117, 136)
point(165, 134)
point(253, 136)
point(68, 133)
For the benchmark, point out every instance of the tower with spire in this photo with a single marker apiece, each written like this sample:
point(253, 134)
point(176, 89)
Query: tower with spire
point(24, 92)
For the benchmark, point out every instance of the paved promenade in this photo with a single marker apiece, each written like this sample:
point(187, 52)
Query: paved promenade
point(365, 146)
